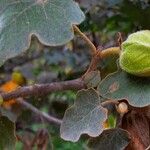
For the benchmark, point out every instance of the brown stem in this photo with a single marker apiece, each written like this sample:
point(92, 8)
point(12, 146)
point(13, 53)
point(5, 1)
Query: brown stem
point(101, 55)
point(93, 64)
point(97, 55)
point(42, 89)
point(87, 40)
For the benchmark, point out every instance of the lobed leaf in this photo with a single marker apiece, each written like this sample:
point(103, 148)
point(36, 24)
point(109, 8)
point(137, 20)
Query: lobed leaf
point(50, 20)
point(111, 139)
point(86, 116)
point(121, 85)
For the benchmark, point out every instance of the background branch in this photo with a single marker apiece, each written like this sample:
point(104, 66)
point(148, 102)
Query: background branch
point(42, 89)
point(87, 40)
point(46, 116)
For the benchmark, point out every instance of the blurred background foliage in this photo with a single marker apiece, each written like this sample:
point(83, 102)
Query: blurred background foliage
point(42, 64)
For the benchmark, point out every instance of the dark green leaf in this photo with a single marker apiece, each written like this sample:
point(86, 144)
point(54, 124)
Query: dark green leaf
point(86, 116)
point(50, 20)
point(121, 85)
point(111, 139)
point(7, 137)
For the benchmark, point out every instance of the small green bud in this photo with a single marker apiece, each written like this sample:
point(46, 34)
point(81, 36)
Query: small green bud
point(135, 54)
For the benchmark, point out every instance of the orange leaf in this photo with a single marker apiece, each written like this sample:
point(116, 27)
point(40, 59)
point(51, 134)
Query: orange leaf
point(8, 87)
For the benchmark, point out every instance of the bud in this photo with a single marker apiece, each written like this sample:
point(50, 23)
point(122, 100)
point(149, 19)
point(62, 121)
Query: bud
point(122, 108)
point(135, 54)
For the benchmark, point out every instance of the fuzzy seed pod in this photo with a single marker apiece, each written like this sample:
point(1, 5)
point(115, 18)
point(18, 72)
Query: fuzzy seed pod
point(135, 54)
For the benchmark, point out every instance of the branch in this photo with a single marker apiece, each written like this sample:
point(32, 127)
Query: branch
point(42, 89)
point(47, 117)
point(91, 45)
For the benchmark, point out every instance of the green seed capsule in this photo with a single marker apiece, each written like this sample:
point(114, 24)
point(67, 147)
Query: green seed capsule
point(135, 54)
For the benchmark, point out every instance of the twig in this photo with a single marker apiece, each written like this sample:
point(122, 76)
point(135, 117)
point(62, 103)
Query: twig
point(97, 55)
point(47, 117)
point(42, 89)
point(95, 58)
point(93, 63)
point(91, 45)
point(110, 51)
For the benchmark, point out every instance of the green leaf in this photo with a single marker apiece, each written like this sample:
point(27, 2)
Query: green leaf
point(50, 20)
point(92, 79)
point(86, 116)
point(111, 139)
point(112, 119)
point(7, 137)
point(121, 85)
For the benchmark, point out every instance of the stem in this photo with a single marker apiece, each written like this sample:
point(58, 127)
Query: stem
point(93, 64)
point(47, 117)
point(87, 40)
point(42, 89)
point(96, 54)
point(110, 51)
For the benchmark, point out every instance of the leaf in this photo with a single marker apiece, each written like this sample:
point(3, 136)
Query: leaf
point(10, 108)
point(111, 139)
point(50, 20)
point(7, 137)
point(121, 85)
point(86, 116)
point(111, 121)
point(92, 79)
